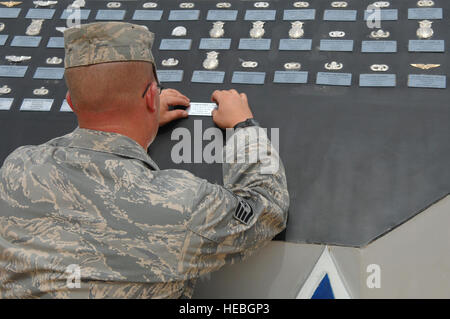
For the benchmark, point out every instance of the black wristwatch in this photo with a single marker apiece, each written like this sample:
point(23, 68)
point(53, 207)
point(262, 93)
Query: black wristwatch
point(246, 123)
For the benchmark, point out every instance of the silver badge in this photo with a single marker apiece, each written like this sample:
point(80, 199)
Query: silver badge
point(179, 31)
point(336, 34)
point(333, 66)
point(223, 5)
point(292, 66)
point(113, 5)
point(149, 5)
point(379, 67)
point(186, 5)
point(54, 60)
point(35, 27)
point(17, 59)
point(61, 29)
point(301, 4)
point(339, 4)
point(261, 4)
point(5, 90)
point(381, 4)
point(425, 31)
point(257, 31)
point(249, 64)
point(41, 91)
point(211, 62)
point(44, 3)
point(170, 62)
point(296, 30)
point(425, 3)
point(78, 4)
point(380, 34)
point(217, 30)
point(2, 26)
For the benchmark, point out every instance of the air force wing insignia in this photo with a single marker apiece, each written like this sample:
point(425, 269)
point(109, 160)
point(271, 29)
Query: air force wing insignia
point(244, 212)
point(425, 66)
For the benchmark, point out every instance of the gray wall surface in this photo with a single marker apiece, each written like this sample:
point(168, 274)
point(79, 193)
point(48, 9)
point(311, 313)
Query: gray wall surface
point(276, 271)
point(414, 258)
point(414, 262)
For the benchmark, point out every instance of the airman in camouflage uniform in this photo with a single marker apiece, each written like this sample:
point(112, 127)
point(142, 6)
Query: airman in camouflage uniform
point(97, 201)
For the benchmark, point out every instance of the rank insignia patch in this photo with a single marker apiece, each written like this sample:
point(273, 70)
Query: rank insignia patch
point(244, 212)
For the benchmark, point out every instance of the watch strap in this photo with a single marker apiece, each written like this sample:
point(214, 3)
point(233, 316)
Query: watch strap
point(247, 123)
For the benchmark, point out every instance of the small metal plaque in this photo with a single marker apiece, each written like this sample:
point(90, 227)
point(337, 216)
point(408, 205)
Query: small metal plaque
point(82, 14)
point(260, 15)
point(379, 46)
point(6, 103)
point(427, 81)
point(222, 15)
point(65, 107)
point(290, 77)
point(40, 13)
point(36, 105)
point(147, 15)
point(425, 13)
point(385, 15)
point(339, 15)
point(25, 41)
point(377, 80)
point(215, 44)
point(426, 46)
point(49, 73)
point(336, 45)
point(105, 14)
point(55, 42)
point(201, 109)
point(208, 77)
point(13, 71)
point(301, 14)
point(175, 44)
point(9, 13)
point(254, 44)
point(332, 78)
point(295, 44)
point(170, 75)
point(3, 38)
point(184, 15)
point(240, 77)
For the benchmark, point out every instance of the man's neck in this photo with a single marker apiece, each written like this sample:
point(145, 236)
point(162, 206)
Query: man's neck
point(119, 129)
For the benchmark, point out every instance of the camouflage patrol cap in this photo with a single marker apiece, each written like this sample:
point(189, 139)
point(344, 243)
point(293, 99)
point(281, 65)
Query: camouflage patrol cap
point(104, 42)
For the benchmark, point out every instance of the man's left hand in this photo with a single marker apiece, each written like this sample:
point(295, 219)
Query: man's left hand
point(171, 97)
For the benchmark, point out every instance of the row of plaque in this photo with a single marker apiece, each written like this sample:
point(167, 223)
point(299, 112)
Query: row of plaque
point(225, 15)
point(323, 78)
point(367, 46)
point(301, 77)
point(45, 105)
point(57, 73)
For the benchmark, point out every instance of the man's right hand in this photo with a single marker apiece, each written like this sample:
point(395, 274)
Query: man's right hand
point(232, 108)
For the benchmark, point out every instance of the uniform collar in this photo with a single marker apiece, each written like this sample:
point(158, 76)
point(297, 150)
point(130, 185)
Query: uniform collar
point(106, 142)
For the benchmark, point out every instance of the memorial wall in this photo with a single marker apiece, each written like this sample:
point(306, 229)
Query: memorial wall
point(353, 93)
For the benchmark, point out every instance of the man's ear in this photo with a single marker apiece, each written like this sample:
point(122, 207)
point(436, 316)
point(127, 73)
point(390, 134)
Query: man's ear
point(69, 100)
point(150, 97)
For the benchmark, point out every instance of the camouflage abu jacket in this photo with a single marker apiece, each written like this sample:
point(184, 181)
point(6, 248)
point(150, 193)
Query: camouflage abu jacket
point(96, 202)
